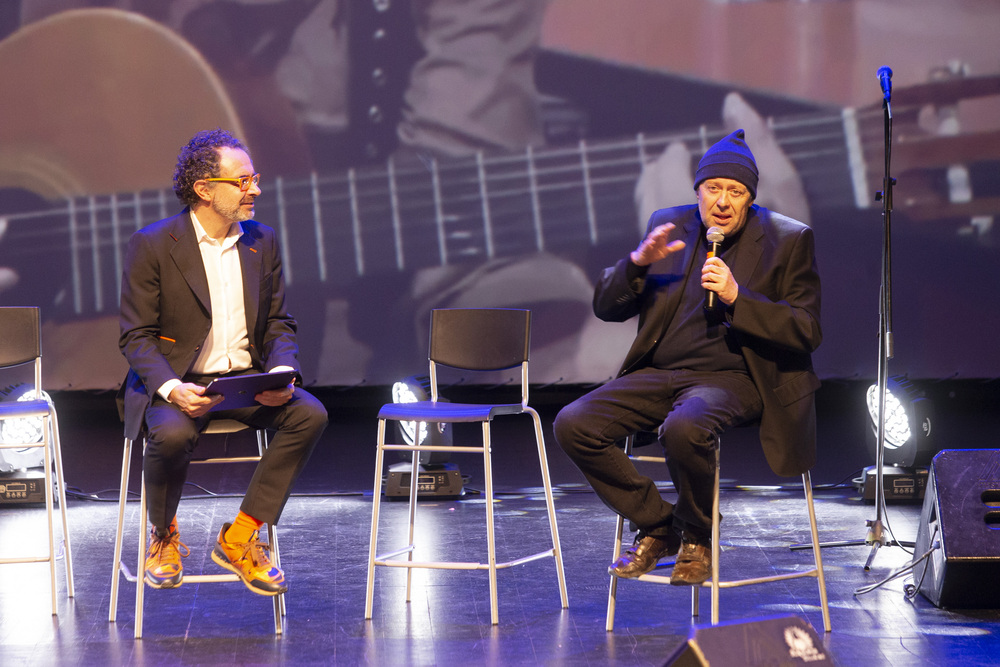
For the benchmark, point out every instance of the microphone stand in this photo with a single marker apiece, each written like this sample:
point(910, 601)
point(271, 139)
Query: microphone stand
point(875, 537)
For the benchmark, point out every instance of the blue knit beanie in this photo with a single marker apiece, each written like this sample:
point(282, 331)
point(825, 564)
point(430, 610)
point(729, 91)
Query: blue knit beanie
point(729, 158)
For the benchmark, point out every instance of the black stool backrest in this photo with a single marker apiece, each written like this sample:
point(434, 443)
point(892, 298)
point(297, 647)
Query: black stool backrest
point(20, 339)
point(480, 339)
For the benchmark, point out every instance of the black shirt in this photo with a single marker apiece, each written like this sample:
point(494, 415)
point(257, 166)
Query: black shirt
point(697, 339)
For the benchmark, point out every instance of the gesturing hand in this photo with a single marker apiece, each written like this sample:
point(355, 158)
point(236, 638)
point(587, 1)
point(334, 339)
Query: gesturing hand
point(655, 246)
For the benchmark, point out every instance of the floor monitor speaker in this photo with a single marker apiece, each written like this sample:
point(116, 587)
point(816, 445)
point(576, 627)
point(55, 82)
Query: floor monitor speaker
point(775, 640)
point(960, 527)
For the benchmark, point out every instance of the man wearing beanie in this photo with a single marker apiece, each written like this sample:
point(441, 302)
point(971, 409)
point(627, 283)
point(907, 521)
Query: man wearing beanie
point(693, 371)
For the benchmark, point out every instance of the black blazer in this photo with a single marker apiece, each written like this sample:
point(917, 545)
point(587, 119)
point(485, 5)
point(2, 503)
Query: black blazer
point(776, 319)
point(166, 314)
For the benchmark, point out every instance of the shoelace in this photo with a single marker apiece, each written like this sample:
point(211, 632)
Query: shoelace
point(161, 545)
point(256, 551)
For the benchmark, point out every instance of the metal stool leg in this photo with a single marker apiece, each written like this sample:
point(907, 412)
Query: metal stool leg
point(817, 551)
point(373, 538)
point(716, 549)
point(550, 506)
point(61, 482)
point(490, 534)
point(609, 623)
point(279, 600)
point(412, 517)
point(116, 574)
point(272, 540)
point(47, 458)
point(140, 567)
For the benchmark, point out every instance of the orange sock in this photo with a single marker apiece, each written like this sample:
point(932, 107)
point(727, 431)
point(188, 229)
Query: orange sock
point(243, 527)
point(170, 528)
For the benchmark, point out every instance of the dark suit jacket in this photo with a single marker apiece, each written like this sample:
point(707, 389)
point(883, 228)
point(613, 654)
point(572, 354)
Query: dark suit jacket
point(166, 315)
point(775, 318)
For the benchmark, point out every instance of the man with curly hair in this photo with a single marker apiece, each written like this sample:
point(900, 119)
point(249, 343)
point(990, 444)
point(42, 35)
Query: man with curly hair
point(203, 298)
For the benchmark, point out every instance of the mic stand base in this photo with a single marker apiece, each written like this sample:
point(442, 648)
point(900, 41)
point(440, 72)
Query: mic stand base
point(875, 540)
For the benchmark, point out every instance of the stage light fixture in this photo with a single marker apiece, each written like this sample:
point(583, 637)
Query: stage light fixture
point(26, 430)
point(412, 390)
point(909, 423)
point(437, 478)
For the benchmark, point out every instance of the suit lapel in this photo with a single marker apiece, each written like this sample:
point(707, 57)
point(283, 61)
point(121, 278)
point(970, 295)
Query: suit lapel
point(187, 258)
point(748, 258)
point(250, 266)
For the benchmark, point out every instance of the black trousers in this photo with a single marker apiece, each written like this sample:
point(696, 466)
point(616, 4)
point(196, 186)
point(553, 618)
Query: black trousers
point(688, 410)
point(171, 437)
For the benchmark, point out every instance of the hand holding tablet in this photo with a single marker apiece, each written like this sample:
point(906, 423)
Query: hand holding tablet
point(239, 390)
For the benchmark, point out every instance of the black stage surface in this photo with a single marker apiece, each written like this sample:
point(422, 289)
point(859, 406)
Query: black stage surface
point(324, 539)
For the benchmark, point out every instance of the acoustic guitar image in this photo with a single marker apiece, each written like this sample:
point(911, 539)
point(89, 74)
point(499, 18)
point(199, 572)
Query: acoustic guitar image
point(96, 104)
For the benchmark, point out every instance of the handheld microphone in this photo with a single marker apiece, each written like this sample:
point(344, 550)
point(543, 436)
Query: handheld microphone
point(884, 75)
point(715, 238)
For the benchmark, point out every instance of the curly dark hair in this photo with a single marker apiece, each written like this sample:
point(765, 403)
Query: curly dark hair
point(200, 159)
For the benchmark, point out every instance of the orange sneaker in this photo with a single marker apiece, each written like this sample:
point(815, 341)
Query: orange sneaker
point(163, 560)
point(250, 561)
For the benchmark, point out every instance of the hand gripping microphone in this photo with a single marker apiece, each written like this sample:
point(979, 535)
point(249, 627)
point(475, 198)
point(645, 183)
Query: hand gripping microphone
point(715, 238)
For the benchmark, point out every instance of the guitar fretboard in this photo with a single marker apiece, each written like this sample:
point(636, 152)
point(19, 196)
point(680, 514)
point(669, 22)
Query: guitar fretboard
point(408, 215)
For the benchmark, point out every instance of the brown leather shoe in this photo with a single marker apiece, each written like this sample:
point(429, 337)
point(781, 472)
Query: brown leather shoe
point(694, 563)
point(642, 556)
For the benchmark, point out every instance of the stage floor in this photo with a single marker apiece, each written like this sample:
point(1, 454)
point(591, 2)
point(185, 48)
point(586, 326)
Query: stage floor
point(324, 536)
point(324, 541)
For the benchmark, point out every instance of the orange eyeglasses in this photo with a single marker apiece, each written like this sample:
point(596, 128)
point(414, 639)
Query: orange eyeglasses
point(243, 181)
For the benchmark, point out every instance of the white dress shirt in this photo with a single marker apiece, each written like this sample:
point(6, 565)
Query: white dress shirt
point(227, 347)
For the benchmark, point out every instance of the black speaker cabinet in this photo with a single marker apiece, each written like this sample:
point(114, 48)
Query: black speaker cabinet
point(776, 640)
point(960, 523)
